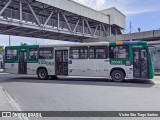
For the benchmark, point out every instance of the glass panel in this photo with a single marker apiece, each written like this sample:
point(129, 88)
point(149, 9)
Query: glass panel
point(11, 54)
point(65, 56)
point(46, 53)
point(118, 52)
point(62, 62)
point(136, 63)
point(79, 52)
point(33, 54)
point(144, 63)
point(83, 53)
point(58, 56)
point(98, 52)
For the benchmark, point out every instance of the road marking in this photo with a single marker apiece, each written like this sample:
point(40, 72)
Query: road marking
point(13, 103)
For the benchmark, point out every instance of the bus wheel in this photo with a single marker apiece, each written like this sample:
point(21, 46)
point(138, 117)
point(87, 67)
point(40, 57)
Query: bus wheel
point(42, 74)
point(117, 75)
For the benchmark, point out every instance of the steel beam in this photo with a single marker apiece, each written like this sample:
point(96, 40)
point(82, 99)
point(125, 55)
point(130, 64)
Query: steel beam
point(20, 7)
point(33, 13)
point(48, 18)
point(27, 33)
point(74, 30)
point(100, 30)
point(96, 30)
point(58, 20)
point(4, 8)
point(8, 30)
point(104, 29)
point(109, 30)
point(69, 27)
point(83, 27)
point(89, 27)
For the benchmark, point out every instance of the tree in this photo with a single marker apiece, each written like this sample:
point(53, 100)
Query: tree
point(1, 50)
point(24, 44)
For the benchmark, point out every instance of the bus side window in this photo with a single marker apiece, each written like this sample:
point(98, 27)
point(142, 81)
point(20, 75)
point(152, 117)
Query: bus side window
point(79, 52)
point(45, 53)
point(33, 53)
point(118, 52)
point(98, 52)
point(11, 54)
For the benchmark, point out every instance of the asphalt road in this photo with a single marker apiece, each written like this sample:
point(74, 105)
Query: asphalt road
point(70, 94)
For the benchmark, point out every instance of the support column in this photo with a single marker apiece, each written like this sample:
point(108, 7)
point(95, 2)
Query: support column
point(83, 27)
point(109, 30)
point(20, 2)
point(58, 20)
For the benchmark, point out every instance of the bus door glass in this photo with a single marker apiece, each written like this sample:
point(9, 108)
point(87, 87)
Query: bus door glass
point(140, 63)
point(61, 59)
point(22, 62)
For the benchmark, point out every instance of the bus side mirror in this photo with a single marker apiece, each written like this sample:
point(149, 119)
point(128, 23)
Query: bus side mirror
point(154, 50)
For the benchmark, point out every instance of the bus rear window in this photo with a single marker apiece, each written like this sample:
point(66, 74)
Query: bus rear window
point(11, 54)
point(118, 52)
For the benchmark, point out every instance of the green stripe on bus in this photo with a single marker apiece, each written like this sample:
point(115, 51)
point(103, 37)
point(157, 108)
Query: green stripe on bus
point(151, 68)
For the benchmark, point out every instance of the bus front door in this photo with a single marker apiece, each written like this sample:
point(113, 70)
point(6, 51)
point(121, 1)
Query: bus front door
point(140, 63)
point(61, 59)
point(22, 62)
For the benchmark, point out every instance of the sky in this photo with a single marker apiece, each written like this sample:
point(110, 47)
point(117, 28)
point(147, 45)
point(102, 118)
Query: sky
point(144, 14)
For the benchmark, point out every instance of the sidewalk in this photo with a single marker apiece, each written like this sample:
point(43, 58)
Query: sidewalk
point(6, 104)
point(4, 101)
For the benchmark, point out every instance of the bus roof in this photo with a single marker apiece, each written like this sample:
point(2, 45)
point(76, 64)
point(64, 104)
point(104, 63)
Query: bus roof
point(85, 44)
point(129, 43)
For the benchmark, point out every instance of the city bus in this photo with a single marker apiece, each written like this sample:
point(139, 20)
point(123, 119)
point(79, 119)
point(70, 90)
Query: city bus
point(116, 61)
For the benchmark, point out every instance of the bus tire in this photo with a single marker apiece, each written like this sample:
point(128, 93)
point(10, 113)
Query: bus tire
point(117, 76)
point(42, 74)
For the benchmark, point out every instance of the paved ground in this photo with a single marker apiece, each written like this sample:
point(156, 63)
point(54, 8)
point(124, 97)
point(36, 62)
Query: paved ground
point(82, 95)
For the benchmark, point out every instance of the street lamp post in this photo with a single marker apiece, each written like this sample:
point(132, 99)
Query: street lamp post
point(9, 40)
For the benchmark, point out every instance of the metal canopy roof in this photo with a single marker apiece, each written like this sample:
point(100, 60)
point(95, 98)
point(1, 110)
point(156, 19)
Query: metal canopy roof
point(55, 19)
point(74, 7)
point(79, 9)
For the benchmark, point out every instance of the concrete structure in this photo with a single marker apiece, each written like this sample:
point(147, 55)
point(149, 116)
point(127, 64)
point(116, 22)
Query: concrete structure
point(156, 57)
point(146, 36)
point(58, 19)
point(117, 19)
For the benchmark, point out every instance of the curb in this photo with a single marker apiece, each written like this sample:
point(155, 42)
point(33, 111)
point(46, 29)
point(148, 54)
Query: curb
point(12, 103)
point(157, 74)
point(1, 71)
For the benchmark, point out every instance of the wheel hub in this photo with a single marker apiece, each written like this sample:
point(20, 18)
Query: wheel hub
point(117, 76)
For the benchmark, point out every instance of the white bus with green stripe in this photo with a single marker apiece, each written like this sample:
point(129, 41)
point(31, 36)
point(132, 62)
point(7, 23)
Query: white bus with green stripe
point(112, 60)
